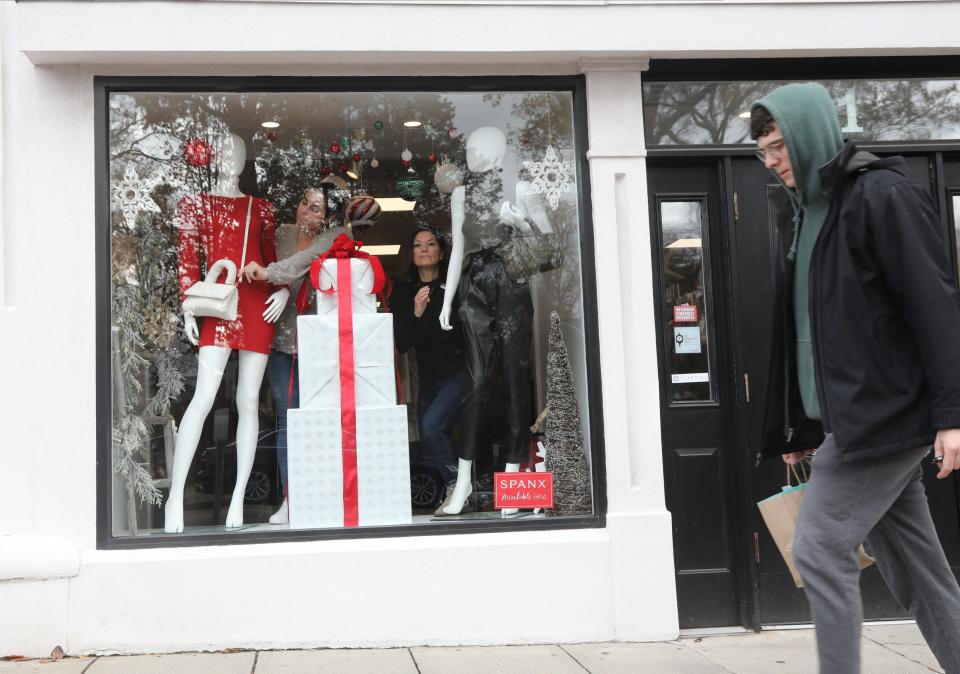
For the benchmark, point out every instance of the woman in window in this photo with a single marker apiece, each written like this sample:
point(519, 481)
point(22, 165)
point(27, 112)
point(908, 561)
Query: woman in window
point(416, 304)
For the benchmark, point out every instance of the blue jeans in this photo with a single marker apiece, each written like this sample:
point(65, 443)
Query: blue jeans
point(438, 406)
point(278, 370)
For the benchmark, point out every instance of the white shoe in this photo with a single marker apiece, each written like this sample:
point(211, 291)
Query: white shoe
point(280, 517)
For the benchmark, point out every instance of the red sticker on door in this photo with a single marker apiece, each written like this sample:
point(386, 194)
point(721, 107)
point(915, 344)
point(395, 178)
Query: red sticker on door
point(522, 490)
point(685, 313)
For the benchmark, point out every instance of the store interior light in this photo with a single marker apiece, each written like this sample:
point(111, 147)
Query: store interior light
point(354, 176)
point(395, 204)
point(386, 249)
point(270, 125)
point(412, 123)
point(744, 115)
point(686, 243)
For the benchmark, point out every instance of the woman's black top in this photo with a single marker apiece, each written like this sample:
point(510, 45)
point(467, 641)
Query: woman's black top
point(439, 351)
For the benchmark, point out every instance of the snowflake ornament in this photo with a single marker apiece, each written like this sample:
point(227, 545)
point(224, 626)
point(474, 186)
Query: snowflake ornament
point(132, 195)
point(552, 176)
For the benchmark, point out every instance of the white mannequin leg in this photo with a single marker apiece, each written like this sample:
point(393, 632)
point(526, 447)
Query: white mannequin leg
point(510, 468)
point(211, 362)
point(462, 489)
point(252, 367)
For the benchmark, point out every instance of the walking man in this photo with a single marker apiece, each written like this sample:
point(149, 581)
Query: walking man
point(869, 341)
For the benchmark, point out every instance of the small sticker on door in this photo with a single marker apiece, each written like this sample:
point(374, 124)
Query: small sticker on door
point(690, 378)
point(687, 340)
point(685, 313)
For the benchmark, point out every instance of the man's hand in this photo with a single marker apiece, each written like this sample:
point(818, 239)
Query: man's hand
point(947, 445)
point(793, 458)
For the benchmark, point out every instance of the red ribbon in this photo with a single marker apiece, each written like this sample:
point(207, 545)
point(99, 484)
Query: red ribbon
point(343, 249)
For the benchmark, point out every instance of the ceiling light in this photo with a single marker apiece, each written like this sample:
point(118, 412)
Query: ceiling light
point(388, 249)
point(412, 123)
point(270, 125)
point(395, 204)
point(354, 176)
point(744, 115)
point(686, 243)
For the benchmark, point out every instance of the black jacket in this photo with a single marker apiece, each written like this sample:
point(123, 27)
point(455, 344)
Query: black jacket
point(885, 318)
point(439, 352)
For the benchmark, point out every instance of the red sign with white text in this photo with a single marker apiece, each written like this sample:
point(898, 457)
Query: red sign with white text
point(522, 490)
point(685, 313)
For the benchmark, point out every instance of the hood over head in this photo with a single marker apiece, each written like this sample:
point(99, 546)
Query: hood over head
point(807, 117)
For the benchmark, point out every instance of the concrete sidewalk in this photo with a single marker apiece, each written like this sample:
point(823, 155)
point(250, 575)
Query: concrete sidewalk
point(887, 649)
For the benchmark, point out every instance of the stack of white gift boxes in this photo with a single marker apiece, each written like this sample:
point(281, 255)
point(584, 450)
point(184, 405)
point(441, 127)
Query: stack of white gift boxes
point(314, 441)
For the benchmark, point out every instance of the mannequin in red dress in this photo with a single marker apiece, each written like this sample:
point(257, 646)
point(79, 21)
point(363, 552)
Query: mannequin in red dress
point(214, 223)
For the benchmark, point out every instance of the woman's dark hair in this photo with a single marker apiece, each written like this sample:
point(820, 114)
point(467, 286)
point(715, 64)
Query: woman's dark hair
point(761, 122)
point(412, 273)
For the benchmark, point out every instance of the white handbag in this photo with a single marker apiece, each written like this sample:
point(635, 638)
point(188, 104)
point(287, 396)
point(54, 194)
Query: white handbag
point(218, 300)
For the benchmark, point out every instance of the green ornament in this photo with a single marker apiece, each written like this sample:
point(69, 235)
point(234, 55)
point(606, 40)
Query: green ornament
point(378, 124)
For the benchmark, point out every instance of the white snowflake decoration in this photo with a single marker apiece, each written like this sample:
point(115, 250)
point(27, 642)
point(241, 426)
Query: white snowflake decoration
point(132, 195)
point(552, 176)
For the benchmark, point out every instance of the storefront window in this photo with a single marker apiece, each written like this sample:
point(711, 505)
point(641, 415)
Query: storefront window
point(718, 113)
point(261, 377)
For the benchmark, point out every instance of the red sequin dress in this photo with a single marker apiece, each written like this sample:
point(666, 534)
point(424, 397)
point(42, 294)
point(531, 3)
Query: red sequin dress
point(214, 225)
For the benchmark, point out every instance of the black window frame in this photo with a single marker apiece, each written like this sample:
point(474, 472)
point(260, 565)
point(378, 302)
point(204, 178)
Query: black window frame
point(106, 85)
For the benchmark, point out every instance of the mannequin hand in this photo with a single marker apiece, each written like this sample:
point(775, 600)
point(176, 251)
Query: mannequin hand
point(254, 272)
point(420, 301)
point(445, 318)
point(275, 304)
point(511, 215)
point(190, 329)
point(947, 445)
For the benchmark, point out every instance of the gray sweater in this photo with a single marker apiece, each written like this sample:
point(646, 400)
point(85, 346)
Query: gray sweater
point(290, 270)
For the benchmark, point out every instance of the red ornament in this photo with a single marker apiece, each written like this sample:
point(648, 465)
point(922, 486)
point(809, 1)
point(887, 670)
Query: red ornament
point(356, 156)
point(272, 136)
point(406, 163)
point(335, 148)
point(325, 170)
point(343, 167)
point(197, 152)
point(432, 156)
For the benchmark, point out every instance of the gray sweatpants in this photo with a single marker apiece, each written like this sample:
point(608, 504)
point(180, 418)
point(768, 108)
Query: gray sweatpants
point(883, 502)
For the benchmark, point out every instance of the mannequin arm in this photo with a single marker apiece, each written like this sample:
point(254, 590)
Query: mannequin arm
point(457, 201)
point(276, 303)
point(190, 328)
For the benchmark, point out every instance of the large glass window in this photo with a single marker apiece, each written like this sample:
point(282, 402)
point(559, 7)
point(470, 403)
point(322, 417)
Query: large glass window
point(261, 378)
point(718, 113)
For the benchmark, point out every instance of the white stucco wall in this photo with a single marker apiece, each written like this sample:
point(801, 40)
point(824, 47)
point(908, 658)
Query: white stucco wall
point(598, 584)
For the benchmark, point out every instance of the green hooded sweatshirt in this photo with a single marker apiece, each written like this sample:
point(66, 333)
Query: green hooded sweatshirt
point(807, 117)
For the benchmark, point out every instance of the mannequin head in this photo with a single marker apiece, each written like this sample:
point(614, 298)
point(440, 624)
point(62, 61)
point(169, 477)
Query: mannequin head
point(486, 148)
point(233, 156)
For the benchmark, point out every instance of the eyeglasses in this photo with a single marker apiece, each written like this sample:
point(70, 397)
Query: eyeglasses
point(775, 150)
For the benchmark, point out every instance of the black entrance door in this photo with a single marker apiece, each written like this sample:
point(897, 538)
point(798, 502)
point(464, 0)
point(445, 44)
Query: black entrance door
point(757, 207)
point(688, 215)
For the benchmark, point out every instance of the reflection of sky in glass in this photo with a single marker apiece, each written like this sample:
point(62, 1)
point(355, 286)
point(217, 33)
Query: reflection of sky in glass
point(708, 113)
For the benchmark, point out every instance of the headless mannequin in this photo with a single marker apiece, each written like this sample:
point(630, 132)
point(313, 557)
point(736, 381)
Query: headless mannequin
point(486, 148)
point(211, 363)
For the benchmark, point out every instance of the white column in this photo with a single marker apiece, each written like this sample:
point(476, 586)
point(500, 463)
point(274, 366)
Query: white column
point(638, 522)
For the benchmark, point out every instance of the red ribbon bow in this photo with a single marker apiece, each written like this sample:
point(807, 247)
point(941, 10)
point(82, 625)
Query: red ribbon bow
point(343, 249)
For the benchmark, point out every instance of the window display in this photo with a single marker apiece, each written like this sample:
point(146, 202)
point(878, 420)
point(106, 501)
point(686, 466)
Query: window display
point(266, 376)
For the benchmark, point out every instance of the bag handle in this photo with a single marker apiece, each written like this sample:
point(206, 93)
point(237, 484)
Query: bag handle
point(794, 474)
point(224, 263)
point(246, 233)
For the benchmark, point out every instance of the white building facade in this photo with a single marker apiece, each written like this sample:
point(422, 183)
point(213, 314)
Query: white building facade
point(72, 574)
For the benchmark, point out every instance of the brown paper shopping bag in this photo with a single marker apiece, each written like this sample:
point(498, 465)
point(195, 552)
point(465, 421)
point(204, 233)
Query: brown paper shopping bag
point(780, 513)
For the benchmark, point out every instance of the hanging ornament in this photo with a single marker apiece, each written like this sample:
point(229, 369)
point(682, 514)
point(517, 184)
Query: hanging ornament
point(406, 163)
point(551, 176)
point(410, 186)
point(335, 147)
point(197, 152)
point(272, 136)
point(343, 167)
point(432, 157)
point(378, 124)
point(453, 132)
point(356, 156)
point(308, 161)
point(324, 170)
point(132, 195)
point(406, 155)
point(362, 209)
point(448, 177)
point(374, 163)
